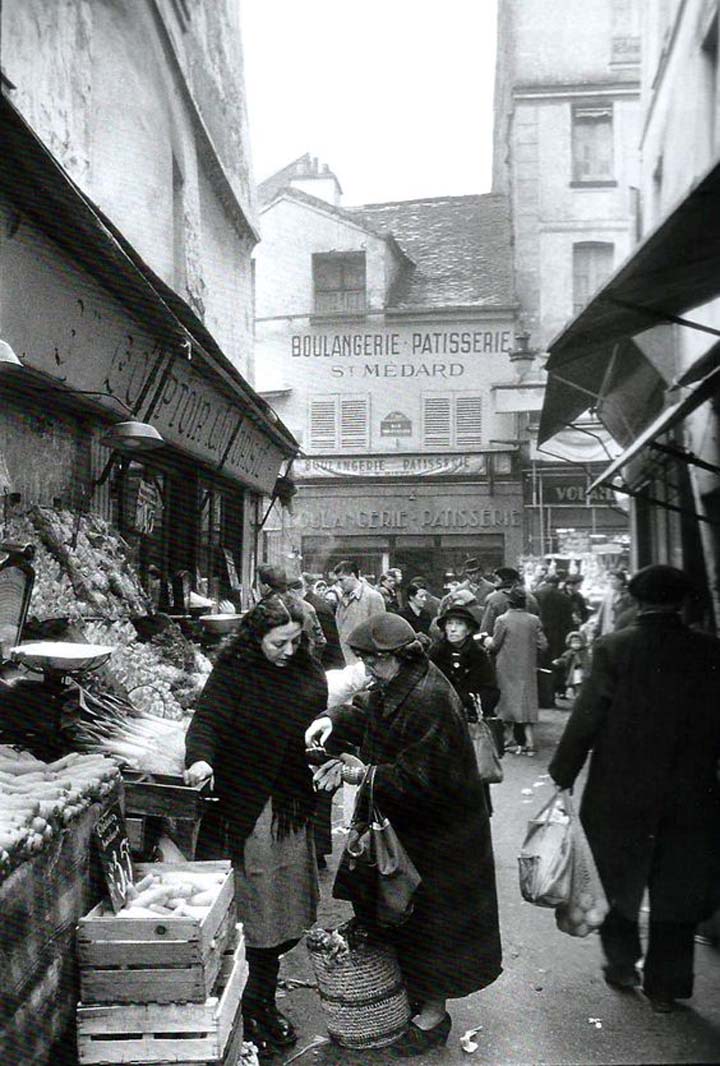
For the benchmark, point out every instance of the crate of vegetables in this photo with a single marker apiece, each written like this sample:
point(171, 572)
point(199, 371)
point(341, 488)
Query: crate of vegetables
point(164, 795)
point(166, 944)
point(194, 1033)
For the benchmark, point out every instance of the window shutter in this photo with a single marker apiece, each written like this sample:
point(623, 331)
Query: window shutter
point(354, 423)
point(468, 421)
point(322, 425)
point(436, 422)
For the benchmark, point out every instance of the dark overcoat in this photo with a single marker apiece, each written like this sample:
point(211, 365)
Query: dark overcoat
point(470, 670)
point(427, 784)
point(650, 713)
point(556, 615)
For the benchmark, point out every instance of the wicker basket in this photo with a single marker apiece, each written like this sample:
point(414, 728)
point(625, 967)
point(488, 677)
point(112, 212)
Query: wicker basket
point(362, 993)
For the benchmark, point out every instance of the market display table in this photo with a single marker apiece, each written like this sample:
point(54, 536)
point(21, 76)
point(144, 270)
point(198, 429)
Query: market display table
point(41, 902)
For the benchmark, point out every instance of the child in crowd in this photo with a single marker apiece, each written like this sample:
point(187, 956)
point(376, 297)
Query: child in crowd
point(573, 665)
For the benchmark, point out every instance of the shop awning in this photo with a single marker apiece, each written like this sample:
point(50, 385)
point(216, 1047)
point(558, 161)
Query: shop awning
point(37, 184)
point(677, 267)
point(669, 418)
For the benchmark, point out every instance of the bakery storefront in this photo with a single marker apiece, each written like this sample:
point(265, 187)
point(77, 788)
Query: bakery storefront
point(425, 514)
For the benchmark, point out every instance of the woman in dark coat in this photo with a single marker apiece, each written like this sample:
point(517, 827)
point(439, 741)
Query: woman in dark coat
point(413, 730)
point(248, 732)
point(466, 665)
point(649, 712)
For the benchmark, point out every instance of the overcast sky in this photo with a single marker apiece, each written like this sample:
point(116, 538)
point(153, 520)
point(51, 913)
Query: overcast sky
point(394, 95)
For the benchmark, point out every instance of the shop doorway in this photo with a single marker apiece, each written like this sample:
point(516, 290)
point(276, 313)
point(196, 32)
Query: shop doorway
point(436, 557)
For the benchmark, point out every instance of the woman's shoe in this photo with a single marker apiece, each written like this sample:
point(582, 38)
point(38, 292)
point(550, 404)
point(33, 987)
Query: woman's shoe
point(416, 1041)
point(279, 1029)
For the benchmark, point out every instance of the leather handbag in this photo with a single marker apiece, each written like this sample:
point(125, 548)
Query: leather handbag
point(486, 752)
point(375, 873)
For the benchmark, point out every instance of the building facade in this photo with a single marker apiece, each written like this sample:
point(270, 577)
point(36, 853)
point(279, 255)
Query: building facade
point(128, 219)
point(567, 114)
point(653, 361)
point(384, 336)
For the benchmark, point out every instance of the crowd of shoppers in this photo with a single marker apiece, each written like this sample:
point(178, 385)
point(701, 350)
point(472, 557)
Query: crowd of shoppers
point(646, 691)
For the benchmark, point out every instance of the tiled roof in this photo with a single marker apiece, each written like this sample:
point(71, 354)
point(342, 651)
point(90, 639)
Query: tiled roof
point(460, 245)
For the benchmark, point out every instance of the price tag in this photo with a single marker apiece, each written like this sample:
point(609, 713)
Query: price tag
point(114, 849)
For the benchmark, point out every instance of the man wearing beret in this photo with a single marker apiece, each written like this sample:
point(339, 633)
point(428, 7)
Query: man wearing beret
point(650, 714)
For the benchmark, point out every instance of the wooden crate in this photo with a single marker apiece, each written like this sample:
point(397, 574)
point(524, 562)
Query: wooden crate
point(164, 795)
point(40, 904)
point(156, 960)
point(192, 1033)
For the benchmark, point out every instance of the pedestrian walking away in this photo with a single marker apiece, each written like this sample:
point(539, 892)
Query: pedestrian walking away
point(248, 732)
point(648, 716)
point(413, 731)
point(517, 640)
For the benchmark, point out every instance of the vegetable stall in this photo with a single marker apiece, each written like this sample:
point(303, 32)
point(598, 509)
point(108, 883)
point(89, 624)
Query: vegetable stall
point(92, 699)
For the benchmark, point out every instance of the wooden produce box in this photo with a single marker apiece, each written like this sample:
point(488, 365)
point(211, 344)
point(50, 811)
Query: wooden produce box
point(156, 960)
point(41, 902)
point(164, 795)
point(192, 1033)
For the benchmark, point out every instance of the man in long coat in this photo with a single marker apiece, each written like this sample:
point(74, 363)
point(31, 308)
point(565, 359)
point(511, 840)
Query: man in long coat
point(650, 714)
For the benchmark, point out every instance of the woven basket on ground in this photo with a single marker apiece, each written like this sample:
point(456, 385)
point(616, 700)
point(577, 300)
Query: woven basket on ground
point(362, 994)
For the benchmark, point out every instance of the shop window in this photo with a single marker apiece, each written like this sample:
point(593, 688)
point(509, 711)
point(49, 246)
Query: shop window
point(503, 463)
point(339, 283)
point(452, 421)
point(592, 266)
point(340, 423)
point(592, 144)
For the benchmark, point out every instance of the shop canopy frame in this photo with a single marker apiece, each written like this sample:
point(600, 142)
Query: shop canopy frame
point(34, 181)
point(675, 269)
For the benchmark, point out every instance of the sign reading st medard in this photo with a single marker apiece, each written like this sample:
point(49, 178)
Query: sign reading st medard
point(114, 850)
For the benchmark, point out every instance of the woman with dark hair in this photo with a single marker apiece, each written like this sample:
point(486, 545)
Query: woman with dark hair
point(413, 731)
point(247, 732)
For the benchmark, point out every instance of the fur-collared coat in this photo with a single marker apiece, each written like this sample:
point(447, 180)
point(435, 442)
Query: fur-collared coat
point(414, 731)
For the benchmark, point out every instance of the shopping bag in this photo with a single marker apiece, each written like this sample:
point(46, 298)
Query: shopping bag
point(375, 873)
point(586, 906)
point(486, 752)
point(545, 860)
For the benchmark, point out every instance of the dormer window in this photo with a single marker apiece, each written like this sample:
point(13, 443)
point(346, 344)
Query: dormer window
point(339, 283)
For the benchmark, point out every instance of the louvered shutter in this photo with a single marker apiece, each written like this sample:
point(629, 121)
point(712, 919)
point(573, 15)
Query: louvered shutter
point(436, 422)
point(354, 423)
point(468, 421)
point(322, 425)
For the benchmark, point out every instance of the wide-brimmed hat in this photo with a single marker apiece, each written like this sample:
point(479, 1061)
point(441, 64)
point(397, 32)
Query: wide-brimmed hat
point(471, 564)
point(382, 632)
point(458, 610)
point(507, 573)
point(660, 584)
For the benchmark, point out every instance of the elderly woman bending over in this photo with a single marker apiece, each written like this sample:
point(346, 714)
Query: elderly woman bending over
point(413, 731)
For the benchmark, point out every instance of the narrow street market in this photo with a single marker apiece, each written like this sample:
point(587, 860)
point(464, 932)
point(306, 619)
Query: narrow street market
point(359, 552)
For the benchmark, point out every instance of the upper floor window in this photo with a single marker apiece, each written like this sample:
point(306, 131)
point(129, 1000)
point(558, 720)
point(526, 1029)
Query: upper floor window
point(452, 421)
point(339, 283)
point(592, 265)
point(340, 423)
point(592, 144)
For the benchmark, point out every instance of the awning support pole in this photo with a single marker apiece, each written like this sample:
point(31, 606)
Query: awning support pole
point(638, 494)
point(684, 456)
point(573, 385)
point(663, 316)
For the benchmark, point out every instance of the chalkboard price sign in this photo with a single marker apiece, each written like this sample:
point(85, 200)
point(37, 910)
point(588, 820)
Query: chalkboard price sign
point(114, 850)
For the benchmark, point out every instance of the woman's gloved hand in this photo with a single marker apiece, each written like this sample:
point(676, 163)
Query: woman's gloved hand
point(328, 777)
point(353, 769)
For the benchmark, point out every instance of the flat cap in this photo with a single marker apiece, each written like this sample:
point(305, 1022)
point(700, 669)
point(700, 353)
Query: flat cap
point(382, 632)
point(660, 584)
point(274, 576)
